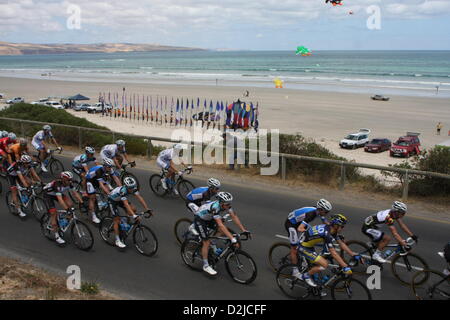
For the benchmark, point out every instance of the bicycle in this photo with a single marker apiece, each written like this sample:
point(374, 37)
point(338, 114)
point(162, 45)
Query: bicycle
point(101, 201)
point(245, 267)
point(55, 166)
point(182, 185)
point(29, 200)
point(437, 288)
point(142, 235)
point(80, 233)
point(181, 228)
point(341, 286)
point(402, 259)
point(123, 174)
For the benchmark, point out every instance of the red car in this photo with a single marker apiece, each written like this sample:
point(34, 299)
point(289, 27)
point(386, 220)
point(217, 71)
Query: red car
point(378, 145)
point(406, 146)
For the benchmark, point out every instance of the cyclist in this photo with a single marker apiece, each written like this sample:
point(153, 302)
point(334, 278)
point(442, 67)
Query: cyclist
point(18, 176)
point(39, 144)
point(5, 144)
point(97, 178)
point(165, 161)
point(298, 222)
point(115, 152)
point(3, 134)
point(208, 217)
point(80, 164)
point(17, 150)
point(325, 234)
point(118, 198)
point(388, 217)
point(202, 194)
point(55, 191)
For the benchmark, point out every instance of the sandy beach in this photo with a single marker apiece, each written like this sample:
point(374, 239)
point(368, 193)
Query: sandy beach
point(324, 116)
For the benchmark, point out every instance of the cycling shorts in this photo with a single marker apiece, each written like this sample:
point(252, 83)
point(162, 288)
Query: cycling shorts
point(309, 254)
point(50, 201)
point(293, 234)
point(38, 145)
point(374, 234)
point(204, 228)
point(114, 207)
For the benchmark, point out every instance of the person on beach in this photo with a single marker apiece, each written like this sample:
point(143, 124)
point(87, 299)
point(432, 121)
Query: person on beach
point(438, 129)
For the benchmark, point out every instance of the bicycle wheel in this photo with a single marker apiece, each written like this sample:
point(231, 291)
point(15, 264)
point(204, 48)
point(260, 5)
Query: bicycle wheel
point(56, 167)
point(279, 255)
point(191, 254)
point(46, 227)
point(156, 186)
point(241, 267)
point(106, 230)
point(39, 208)
point(184, 187)
point(437, 287)
point(129, 174)
point(81, 235)
point(11, 206)
point(290, 285)
point(363, 250)
point(181, 229)
point(404, 268)
point(145, 240)
point(349, 289)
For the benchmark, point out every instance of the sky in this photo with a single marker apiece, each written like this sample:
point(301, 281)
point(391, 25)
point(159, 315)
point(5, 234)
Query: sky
point(232, 24)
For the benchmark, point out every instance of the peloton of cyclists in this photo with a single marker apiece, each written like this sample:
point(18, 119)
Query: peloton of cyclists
point(199, 195)
point(387, 217)
point(40, 145)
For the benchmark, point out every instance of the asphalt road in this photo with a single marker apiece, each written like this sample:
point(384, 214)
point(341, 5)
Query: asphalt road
point(164, 276)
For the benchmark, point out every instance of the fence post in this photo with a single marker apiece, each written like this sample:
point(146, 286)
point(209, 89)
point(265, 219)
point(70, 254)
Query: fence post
point(405, 186)
point(114, 137)
point(283, 168)
point(342, 183)
point(149, 149)
point(22, 130)
point(79, 138)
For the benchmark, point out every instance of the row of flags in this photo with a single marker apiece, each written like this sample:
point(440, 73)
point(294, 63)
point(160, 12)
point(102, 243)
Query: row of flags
point(182, 111)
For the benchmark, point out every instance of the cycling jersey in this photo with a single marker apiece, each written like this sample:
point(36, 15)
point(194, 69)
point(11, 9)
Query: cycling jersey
point(82, 160)
point(198, 195)
point(316, 235)
point(370, 226)
point(303, 215)
point(4, 143)
point(57, 188)
point(13, 173)
point(120, 194)
point(110, 151)
point(39, 137)
point(16, 151)
point(164, 158)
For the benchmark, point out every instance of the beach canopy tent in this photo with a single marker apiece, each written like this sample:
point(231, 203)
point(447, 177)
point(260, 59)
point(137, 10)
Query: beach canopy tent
point(77, 97)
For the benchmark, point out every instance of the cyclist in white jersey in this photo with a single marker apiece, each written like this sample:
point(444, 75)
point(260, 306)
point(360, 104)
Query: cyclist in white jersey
point(115, 152)
point(388, 217)
point(39, 144)
point(165, 161)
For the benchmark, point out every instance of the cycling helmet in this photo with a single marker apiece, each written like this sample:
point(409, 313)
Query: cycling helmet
point(338, 219)
point(47, 127)
point(23, 142)
point(66, 175)
point(120, 142)
point(399, 206)
point(212, 182)
point(25, 159)
point(12, 136)
point(4, 134)
point(89, 150)
point(130, 183)
point(108, 162)
point(179, 146)
point(224, 197)
point(324, 204)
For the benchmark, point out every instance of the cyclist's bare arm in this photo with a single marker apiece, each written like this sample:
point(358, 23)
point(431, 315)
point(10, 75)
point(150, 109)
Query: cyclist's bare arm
point(404, 227)
point(142, 201)
point(397, 236)
point(125, 155)
point(104, 187)
point(77, 196)
point(85, 167)
point(223, 229)
point(302, 227)
point(130, 210)
point(34, 175)
point(337, 257)
point(23, 180)
point(62, 203)
point(116, 162)
point(344, 247)
point(237, 221)
point(56, 143)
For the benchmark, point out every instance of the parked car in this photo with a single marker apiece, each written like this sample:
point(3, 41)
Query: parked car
point(54, 104)
point(379, 97)
point(406, 146)
point(2, 95)
point(40, 101)
point(378, 145)
point(98, 108)
point(81, 107)
point(355, 140)
point(15, 100)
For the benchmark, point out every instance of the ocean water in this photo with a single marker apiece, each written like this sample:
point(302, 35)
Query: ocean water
point(424, 73)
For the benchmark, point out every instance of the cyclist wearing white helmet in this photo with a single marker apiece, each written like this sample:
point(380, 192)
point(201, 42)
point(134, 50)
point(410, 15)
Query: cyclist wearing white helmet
point(21, 173)
point(116, 152)
point(118, 198)
point(40, 145)
point(208, 217)
point(96, 179)
point(298, 222)
point(55, 191)
point(80, 164)
point(387, 217)
point(165, 161)
point(196, 197)
point(4, 134)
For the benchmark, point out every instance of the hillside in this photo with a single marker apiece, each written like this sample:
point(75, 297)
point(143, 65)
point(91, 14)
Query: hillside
point(7, 48)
